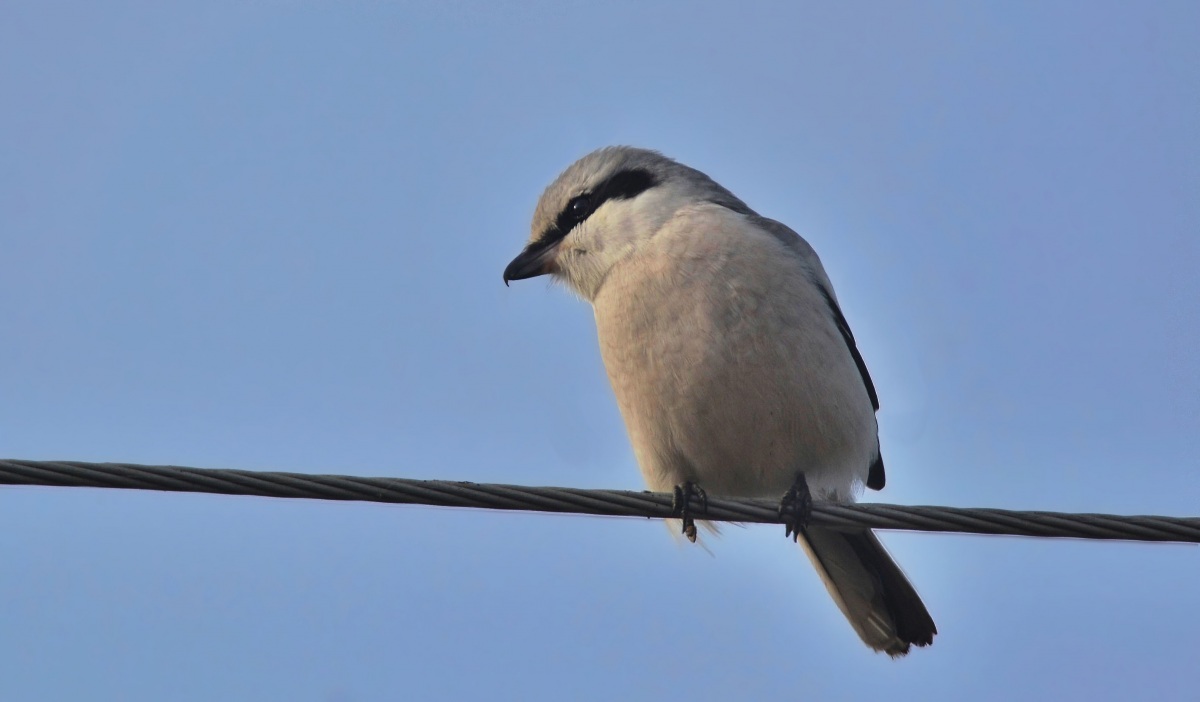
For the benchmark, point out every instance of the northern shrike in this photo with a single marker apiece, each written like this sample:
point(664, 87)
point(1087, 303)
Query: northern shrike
point(733, 365)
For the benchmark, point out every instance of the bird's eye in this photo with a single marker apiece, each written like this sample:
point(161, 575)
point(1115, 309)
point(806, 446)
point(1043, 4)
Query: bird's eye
point(578, 207)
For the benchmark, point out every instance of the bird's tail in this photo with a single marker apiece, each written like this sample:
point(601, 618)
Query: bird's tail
point(870, 589)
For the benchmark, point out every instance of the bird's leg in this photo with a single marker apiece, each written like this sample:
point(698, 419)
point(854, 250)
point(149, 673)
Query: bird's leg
point(796, 507)
point(681, 506)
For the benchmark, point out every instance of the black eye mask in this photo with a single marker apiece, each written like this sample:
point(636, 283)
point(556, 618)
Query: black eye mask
point(622, 185)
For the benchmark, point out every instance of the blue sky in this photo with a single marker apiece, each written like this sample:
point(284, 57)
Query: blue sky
point(269, 235)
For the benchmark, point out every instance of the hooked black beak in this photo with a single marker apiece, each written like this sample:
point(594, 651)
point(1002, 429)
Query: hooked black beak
point(531, 262)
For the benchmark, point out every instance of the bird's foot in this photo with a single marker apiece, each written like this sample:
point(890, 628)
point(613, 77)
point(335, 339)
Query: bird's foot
point(796, 507)
point(681, 506)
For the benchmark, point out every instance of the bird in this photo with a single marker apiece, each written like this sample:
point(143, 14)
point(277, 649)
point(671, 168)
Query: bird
point(732, 364)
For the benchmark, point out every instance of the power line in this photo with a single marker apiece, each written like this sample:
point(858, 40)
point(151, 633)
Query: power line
point(622, 503)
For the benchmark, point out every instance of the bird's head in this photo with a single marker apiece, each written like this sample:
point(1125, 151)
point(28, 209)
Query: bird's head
point(601, 209)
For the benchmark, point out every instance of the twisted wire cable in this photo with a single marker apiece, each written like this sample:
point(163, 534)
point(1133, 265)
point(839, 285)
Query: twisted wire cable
point(622, 503)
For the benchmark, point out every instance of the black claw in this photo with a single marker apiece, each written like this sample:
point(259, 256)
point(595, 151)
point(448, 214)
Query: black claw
point(681, 506)
point(796, 507)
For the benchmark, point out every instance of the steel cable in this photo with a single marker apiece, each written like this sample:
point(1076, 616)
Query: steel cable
point(623, 503)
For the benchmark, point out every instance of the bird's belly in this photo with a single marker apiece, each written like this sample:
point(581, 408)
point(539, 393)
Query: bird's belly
point(738, 392)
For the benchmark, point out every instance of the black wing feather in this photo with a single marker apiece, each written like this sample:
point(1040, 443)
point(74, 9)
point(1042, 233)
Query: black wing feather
point(848, 336)
point(875, 477)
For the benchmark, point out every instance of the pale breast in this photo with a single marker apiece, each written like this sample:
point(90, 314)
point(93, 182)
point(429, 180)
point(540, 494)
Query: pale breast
point(727, 365)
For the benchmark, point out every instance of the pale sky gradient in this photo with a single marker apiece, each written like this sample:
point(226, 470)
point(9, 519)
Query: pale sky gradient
point(269, 235)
